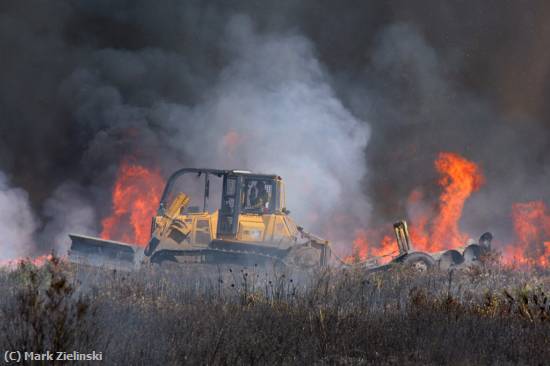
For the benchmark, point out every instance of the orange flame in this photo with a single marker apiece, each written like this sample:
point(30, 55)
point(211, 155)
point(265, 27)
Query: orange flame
point(231, 141)
point(459, 178)
point(532, 228)
point(362, 248)
point(420, 218)
point(136, 195)
point(36, 261)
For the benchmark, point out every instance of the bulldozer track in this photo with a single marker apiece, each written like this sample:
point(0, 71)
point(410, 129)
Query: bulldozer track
point(249, 254)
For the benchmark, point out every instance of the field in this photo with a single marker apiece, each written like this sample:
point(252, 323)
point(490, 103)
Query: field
point(205, 314)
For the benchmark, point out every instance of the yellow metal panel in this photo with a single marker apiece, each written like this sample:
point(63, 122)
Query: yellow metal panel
point(177, 205)
point(201, 229)
point(281, 233)
point(214, 224)
point(251, 228)
point(269, 222)
point(291, 226)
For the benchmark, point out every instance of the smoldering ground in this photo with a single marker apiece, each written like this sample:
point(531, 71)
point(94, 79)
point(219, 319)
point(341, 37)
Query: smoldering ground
point(349, 102)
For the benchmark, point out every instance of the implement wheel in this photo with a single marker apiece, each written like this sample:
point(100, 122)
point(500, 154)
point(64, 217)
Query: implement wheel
point(418, 260)
point(472, 253)
point(450, 259)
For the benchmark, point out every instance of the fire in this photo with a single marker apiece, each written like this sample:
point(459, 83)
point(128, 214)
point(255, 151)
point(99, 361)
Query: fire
point(231, 141)
point(36, 261)
point(362, 247)
point(420, 218)
point(459, 178)
point(532, 228)
point(386, 249)
point(135, 197)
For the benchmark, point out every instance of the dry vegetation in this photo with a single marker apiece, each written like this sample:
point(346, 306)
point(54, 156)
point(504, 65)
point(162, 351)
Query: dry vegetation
point(212, 315)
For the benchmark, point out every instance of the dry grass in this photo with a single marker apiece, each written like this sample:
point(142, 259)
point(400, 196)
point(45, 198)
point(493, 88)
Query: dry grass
point(210, 315)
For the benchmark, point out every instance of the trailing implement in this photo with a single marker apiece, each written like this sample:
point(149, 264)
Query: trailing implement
point(469, 254)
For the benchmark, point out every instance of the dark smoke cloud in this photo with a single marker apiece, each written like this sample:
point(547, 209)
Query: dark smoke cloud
point(85, 83)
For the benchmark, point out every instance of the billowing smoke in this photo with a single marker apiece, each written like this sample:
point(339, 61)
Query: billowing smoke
point(17, 222)
point(67, 211)
point(350, 103)
point(271, 110)
point(274, 111)
point(426, 110)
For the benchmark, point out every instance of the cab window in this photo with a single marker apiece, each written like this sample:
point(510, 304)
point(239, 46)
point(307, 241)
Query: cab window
point(258, 196)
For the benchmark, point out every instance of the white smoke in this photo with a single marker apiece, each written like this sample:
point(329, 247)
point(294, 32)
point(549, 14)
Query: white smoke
point(273, 111)
point(17, 222)
point(68, 211)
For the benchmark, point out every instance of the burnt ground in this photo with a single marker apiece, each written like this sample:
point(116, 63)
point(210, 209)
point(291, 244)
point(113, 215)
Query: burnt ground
point(211, 315)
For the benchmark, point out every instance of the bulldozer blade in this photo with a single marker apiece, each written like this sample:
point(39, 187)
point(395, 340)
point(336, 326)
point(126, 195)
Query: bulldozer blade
point(104, 253)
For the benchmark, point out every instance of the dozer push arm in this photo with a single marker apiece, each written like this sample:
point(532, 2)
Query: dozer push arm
point(168, 225)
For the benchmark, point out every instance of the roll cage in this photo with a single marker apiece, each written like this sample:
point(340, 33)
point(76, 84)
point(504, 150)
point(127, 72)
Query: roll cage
point(240, 194)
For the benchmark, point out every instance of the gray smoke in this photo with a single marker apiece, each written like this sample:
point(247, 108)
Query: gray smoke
point(276, 100)
point(273, 97)
point(426, 111)
point(17, 222)
point(67, 211)
point(293, 88)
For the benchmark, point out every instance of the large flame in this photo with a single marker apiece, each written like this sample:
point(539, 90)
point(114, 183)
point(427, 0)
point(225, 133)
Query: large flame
point(532, 227)
point(459, 178)
point(363, 247)
point(419, 216)
point(136, 196)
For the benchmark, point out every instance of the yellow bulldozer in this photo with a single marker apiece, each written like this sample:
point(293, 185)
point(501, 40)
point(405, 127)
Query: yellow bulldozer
point(247, 224)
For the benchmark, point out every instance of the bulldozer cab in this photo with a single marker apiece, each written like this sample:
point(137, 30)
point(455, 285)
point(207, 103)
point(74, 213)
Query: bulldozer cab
point(202, 186)
point(230, 192)
point(248, 194)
